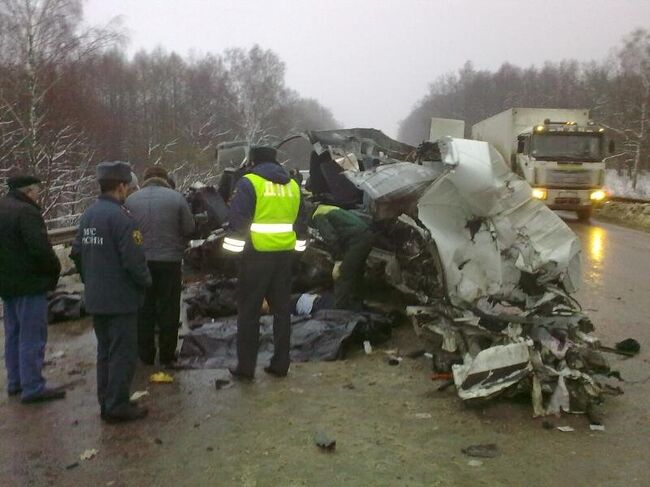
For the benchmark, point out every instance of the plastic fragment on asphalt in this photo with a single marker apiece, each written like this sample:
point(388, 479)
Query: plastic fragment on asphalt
point(222, 384)
point(597, 427)
point(367, 347)
point(393, 360)
point(137, 395)
point(422, 415)
point(324, 442)
point(565, 429)
point(88, 454)
point(475, 463)
point(489, 450)
point(161, 378)
point(59, 354)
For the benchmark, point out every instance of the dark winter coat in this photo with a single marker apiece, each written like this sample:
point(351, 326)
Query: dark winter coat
point(165, 219)
point(28, 265)
point(109, 256)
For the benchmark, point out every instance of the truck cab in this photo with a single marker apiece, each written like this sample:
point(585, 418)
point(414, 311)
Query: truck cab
point(563, 161)
point(559, 152)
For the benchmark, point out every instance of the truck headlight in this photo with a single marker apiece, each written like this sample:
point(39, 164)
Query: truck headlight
point(598, 195)
point(540, 193)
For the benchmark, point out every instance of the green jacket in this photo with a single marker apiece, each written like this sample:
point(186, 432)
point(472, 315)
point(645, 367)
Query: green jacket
point(338, 226)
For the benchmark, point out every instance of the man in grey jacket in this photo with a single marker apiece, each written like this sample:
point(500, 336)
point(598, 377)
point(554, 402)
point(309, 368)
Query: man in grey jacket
point(166, 222)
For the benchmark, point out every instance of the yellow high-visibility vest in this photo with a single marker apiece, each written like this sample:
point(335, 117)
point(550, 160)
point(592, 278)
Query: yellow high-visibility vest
point(276, 210)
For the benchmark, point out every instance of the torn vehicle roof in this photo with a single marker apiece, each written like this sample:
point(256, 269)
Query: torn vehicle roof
point(359, 141)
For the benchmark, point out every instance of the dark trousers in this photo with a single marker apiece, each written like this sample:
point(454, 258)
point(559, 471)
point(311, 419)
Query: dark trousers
point(161, 310)
point(117, 355)
point(348, 288)
point(25, 337)
point(264, 275)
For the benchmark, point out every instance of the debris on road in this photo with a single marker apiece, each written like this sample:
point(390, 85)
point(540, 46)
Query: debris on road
point(367, 348)
point(475, 463)
point(88, 454)
point(161, 378)
point(597, 427)
point(72, 465)
point(566, 429)
point(220, 384)
point(423, 416)
point(489, 450)
point(629, 345)
point(324, 442)
point(137, 395)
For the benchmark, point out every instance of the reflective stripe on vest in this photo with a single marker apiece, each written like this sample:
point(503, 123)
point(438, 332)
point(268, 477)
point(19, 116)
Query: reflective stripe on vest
point(276, 210)
point(233, 244)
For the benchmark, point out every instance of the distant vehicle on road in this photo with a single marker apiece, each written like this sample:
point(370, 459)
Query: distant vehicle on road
point(559, 152)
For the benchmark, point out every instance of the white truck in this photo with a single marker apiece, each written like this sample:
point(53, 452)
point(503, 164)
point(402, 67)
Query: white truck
point(559, 152)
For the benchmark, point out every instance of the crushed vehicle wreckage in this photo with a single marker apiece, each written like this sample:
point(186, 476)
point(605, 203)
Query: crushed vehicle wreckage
point(486, 270)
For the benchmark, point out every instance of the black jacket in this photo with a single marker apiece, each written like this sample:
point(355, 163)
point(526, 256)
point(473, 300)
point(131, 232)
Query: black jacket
point(109, 256)
point(28, 265)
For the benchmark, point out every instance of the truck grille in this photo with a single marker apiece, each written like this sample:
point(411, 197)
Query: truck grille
point(566, 201)
point(569, 178)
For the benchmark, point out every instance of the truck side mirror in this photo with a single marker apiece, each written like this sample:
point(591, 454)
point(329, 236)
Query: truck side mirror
point(612, 146)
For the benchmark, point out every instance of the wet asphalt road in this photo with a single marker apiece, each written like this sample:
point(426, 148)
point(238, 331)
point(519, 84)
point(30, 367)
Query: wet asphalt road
point(391, 425)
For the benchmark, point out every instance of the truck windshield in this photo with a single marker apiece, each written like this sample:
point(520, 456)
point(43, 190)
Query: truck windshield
point(574, 147)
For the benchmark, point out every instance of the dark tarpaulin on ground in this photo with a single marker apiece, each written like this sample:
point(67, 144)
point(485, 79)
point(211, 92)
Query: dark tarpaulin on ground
point(64, 306)
point(320, 337)
point(214, 298)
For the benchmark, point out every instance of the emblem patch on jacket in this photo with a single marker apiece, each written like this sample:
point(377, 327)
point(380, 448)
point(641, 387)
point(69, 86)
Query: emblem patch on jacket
point(137, 237)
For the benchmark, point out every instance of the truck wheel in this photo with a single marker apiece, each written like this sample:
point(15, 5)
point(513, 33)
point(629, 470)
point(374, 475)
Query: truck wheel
point(584, 215)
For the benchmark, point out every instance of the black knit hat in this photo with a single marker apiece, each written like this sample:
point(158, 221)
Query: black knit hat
point(21, 181)
point(114, 171)
point(262, 153)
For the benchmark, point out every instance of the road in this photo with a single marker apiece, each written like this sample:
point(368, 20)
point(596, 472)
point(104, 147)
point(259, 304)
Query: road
point(391, 425)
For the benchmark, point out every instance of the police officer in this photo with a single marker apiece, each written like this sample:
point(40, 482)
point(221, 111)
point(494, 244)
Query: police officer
point(266, 225)
point(109, 256)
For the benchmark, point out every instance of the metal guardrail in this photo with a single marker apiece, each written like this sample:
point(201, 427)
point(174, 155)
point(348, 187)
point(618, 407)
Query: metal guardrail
point(60, 236)
point(624, 199)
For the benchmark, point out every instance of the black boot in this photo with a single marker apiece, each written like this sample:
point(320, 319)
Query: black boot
point(48, 394)
point(127, 412)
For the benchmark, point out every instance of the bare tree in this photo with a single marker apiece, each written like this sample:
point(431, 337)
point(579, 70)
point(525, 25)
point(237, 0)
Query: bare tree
point(38, 39)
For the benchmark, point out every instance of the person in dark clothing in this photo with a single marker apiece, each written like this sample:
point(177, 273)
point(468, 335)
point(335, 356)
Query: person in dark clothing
point(109, 256)
point(266, 225)
point(28, 269)
point(350, 239)
point(166, 222)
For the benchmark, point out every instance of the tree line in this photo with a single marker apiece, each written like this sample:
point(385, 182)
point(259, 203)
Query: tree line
point(616, 90)
point(70, 96)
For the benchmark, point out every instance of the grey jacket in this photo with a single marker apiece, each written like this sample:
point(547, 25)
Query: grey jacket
point(108, 254)
point(165, 219)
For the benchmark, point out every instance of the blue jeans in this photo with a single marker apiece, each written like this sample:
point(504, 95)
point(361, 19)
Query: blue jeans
point(25, 338)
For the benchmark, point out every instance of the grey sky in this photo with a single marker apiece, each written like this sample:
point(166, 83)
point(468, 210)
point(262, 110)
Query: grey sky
point(370, 61)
